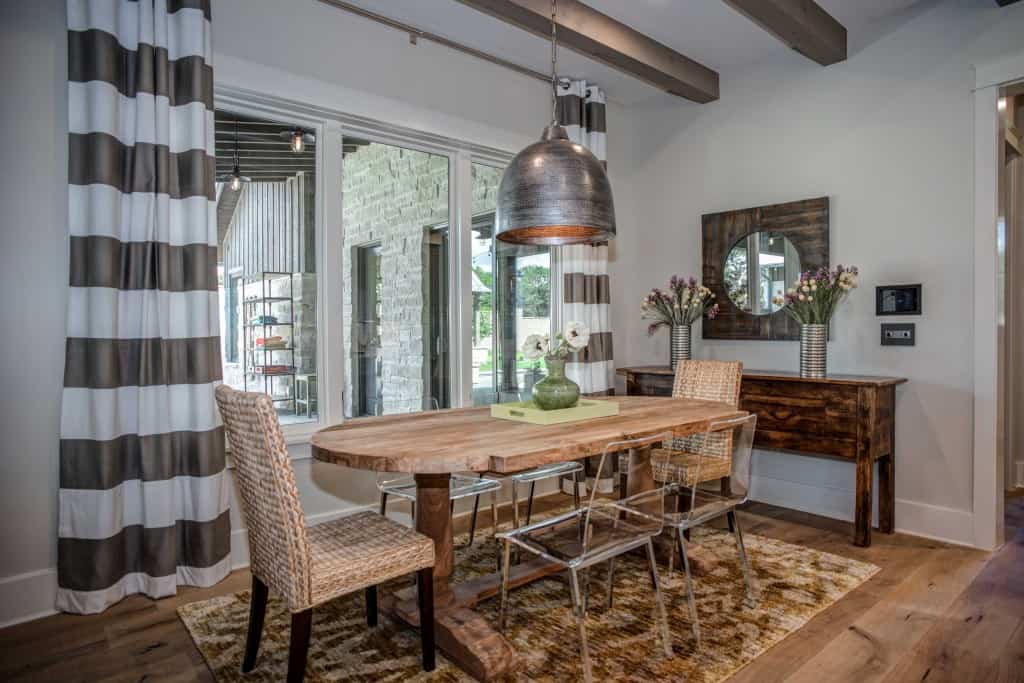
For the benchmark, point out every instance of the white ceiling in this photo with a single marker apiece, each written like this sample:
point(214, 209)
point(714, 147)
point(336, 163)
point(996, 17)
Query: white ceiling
point(708, 31)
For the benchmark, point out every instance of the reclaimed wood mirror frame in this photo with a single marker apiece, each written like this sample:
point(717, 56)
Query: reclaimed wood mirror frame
point(804, 223)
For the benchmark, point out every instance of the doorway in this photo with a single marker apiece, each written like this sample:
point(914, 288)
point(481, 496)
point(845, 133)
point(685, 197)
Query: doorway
point(1010, 287)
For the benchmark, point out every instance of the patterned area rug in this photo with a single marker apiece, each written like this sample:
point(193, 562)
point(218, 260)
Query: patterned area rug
point(795, 584)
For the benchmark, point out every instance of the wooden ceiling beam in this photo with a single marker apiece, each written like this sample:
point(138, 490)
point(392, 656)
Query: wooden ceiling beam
point(801, 24)
point(595, 35)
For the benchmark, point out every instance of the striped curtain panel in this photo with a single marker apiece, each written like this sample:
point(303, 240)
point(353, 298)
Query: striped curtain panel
point(144, 494)
point(584, 268)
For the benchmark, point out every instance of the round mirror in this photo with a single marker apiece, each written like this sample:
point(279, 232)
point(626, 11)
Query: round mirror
point(758, 268)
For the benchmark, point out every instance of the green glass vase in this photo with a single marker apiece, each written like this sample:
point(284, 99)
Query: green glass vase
point(556, 391)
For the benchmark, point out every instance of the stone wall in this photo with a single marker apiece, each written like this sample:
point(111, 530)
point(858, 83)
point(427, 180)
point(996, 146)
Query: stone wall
point(392, 197)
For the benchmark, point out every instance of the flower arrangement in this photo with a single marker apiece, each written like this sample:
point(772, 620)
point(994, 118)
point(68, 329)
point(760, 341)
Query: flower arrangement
point(685, 301)
point(575, 338)
point(814, 297)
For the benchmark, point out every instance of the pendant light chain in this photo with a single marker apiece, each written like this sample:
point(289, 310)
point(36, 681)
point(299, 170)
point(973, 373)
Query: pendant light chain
point(554, 59)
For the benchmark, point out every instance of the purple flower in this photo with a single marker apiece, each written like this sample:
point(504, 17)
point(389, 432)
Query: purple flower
point(652, 328)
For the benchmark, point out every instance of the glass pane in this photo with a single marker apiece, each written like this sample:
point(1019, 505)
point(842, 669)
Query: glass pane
point(394, 279)
point(511, 300)
point(267, 261)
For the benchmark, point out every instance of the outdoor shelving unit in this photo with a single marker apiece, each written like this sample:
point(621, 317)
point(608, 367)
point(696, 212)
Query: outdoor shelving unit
point(262, 365)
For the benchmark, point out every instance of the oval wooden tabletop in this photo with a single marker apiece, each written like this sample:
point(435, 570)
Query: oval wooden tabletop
point(470, 440)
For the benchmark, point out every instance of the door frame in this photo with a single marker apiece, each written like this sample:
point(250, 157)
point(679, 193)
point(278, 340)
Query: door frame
point(989, 467)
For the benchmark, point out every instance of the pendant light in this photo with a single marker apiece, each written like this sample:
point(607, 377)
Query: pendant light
point(297, 139)
point(236, 178)
point(555, 191)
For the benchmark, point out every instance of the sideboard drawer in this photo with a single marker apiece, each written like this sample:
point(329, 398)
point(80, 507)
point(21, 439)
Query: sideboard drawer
point(805, 417)
point(651, 385)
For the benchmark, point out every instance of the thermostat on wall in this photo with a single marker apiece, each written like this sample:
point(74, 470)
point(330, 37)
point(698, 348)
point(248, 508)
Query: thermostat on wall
point(898, 300)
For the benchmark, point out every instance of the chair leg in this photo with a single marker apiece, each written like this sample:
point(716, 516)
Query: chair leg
point(576, 489)
point(748, 579)
point(425, 591)
point(302, 624)
point(472, 520)
point(515, 505)
point(611, 582)
point(730, 518)
point(529, 502)
point(494, 529)
point(623, 483)
point(661, 617)
point(257, 610)
point(506, 552)
point(371, 606)
point(383, 503)
point(580, 613)
point(689, 588)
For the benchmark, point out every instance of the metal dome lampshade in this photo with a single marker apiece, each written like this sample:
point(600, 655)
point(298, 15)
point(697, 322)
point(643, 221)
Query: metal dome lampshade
point(555, 191)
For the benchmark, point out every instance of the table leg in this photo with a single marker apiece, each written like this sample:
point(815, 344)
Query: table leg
point(862, 515)
point(463, 635)
point(887, 494)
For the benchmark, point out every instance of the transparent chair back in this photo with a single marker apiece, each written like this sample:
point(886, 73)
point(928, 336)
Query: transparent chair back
point(725, 439)
point(604, 527)
point(417, 405)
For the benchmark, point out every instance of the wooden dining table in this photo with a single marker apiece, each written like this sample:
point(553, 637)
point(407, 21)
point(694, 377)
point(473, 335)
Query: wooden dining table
point(434, 444)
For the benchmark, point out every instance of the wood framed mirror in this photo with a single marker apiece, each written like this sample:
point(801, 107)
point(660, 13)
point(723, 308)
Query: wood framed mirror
point(749, 255)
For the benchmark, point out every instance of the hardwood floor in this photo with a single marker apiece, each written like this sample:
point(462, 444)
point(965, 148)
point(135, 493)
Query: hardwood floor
point(934, 613)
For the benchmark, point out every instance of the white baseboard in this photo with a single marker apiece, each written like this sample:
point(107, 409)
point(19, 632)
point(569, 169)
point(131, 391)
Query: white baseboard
point(24, 597)
point(917, 519)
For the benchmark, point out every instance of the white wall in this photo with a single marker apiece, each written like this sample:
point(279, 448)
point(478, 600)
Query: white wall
point(304, 51)
point(33, 277)
point(888, 136)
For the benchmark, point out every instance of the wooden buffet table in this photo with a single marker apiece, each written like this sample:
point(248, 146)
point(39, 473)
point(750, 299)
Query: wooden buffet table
point(432, 445)
point(852, 417)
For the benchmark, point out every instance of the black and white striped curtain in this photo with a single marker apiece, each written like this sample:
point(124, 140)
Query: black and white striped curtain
point(144, 495)
point(584, 268)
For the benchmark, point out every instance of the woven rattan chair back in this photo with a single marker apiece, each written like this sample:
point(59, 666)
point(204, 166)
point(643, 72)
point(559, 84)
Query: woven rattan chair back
point(708, 380)
point(278, 546)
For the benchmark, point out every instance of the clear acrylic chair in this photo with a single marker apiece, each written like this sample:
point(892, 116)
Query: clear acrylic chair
point(462, 486)
point(593, 534)
point(559, 470)
point(725, 440)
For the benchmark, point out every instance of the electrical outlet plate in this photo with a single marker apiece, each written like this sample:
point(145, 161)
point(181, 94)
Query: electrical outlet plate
point(898, 334)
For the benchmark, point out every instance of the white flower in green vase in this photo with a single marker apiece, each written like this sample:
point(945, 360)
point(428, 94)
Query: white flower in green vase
point(535, 347)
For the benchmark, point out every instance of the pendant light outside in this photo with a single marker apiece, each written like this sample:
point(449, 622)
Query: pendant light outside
point(555, 191)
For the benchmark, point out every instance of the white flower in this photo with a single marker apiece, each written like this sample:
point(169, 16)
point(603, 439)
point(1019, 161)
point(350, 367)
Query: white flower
point(577, 335)
point(535, 347)
point(814, 286)
point(810, 298)
point(802, 297)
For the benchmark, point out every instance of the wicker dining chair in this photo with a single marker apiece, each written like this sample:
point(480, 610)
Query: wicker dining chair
point(308, 566)
point(594, 534)
point(707, 380)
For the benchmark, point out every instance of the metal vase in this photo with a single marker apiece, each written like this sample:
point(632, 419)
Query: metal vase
point(813, 350)
point(679, 344)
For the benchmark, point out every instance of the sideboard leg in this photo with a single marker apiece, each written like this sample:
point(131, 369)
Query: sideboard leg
point(862, 516)
point(887, 494)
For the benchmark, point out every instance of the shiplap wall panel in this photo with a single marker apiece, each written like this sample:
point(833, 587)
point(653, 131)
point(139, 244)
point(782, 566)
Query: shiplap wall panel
point(272, 228)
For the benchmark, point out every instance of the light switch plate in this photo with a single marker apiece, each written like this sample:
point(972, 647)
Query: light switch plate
point(898, 334)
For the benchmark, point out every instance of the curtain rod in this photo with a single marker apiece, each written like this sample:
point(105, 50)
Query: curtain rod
point(416, 33)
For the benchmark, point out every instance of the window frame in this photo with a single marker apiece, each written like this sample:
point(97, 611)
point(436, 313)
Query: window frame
point(331, 127)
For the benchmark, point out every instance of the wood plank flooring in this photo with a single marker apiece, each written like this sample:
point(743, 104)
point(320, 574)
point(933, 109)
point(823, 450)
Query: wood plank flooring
point(935, 612)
